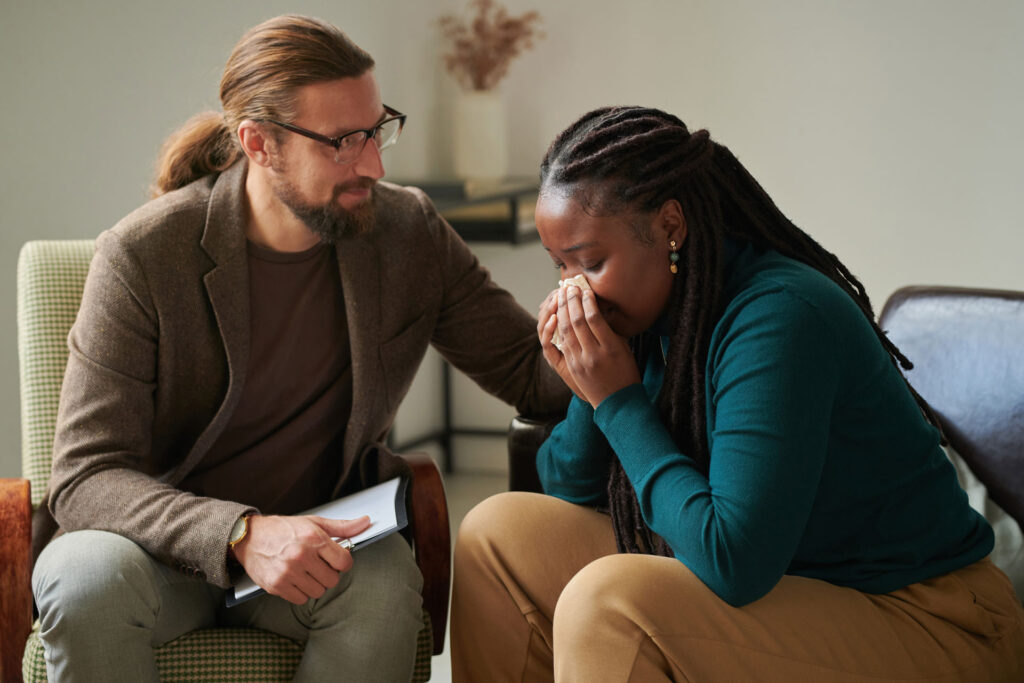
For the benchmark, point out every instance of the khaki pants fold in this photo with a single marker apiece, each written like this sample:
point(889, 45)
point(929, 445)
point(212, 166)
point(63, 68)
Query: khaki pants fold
point(540, 594)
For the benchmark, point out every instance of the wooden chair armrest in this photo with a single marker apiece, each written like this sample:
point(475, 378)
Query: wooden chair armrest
point(15, 575)
point(431, 540)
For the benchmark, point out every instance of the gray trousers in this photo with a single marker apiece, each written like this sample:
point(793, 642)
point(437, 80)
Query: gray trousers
point(105, 603)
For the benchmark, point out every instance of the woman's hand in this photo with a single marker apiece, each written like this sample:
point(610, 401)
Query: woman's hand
point(598, 361)
point(547, 320)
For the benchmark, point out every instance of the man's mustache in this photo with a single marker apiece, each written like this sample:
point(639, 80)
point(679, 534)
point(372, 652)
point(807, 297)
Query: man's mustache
point(360, 184)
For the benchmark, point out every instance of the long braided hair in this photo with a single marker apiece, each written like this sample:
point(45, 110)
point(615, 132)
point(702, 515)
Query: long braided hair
point(619, 158)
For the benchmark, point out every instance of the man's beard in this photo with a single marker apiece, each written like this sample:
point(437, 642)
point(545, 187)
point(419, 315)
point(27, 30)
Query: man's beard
point(331, 222)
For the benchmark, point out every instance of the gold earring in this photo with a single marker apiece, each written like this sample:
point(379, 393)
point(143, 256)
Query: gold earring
point(673, 257)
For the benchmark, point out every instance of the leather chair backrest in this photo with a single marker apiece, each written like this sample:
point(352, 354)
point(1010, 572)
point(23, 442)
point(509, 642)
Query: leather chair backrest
point(967, 347)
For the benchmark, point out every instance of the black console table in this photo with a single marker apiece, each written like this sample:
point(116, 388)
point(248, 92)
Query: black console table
point(494, 212)
point(499, 211)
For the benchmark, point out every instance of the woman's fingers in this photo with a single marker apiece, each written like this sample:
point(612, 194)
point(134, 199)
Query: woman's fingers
point(598, 360)
point(548, 306)
point(555, 358)
point(603, 333)
point(570, 345)
point(552, 353)
point(547, 345)
point(578, 319)
point(543, 322)
point(545, 314)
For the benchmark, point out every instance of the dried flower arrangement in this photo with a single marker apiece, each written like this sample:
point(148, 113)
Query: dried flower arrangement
point(482, 49)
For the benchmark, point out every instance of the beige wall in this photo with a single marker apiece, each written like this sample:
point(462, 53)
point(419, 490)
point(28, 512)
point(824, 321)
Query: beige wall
point(889, 129)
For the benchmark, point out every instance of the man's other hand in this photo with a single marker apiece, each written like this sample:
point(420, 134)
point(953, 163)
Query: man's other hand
point(296, 557)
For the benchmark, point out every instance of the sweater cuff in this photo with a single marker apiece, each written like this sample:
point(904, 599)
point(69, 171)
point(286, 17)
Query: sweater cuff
point(579, 410)
point(629, 402)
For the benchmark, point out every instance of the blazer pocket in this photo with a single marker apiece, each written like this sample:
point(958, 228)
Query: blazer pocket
point(401, 356)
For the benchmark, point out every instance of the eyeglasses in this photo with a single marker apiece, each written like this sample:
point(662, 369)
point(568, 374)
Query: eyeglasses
point(349, 146)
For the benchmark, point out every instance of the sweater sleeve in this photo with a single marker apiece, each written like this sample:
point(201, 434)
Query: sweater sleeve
point(771, 383)
point(573, 462)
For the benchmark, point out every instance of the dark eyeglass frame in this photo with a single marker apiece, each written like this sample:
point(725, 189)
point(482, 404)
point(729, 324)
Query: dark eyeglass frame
point(393, 114)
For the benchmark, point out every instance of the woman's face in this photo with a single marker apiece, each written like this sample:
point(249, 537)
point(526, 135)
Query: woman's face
point(630, 278)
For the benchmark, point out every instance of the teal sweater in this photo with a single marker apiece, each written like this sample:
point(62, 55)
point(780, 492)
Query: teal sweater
point(821, 462)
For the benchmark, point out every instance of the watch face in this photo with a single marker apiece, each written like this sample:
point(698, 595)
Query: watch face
point(238, 530)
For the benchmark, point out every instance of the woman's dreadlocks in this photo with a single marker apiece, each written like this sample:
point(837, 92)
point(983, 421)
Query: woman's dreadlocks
point(616, 158)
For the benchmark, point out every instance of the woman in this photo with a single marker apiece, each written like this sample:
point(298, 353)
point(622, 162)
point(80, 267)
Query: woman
point(745, 488)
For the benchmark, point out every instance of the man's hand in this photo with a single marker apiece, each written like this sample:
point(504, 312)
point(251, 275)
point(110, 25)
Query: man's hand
point(295, 557)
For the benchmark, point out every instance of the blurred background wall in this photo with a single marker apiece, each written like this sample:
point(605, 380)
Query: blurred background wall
point(888, 129)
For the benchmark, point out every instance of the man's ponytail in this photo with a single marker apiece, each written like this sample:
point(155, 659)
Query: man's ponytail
point(204, 145)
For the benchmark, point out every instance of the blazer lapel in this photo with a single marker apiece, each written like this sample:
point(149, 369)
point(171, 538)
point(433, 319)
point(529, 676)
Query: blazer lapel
point(227, 285)
point(358, 261)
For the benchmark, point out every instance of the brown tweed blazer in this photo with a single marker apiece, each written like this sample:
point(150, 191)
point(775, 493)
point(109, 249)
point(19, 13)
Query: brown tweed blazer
point(159, 351)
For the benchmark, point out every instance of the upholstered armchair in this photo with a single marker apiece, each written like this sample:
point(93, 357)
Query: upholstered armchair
point(51, 275)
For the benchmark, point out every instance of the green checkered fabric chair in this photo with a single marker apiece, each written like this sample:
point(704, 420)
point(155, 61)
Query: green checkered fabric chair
point(51, 275)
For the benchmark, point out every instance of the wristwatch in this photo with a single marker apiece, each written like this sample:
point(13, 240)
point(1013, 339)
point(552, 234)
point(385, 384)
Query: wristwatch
point(239, 531)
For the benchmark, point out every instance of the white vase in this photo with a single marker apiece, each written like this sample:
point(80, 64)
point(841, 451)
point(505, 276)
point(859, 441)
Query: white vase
point(480, 136)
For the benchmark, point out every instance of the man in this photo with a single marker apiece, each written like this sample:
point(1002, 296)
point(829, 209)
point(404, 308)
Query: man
point(242, 347)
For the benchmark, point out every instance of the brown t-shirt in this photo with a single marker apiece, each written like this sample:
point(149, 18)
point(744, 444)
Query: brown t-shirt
point(281, 450)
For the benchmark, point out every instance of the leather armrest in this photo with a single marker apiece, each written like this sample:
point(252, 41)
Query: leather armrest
point(525, 436)
point(431, 536)
point(15, 575)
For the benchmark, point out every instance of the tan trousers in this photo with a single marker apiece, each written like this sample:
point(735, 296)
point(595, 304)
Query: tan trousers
point(541, 595)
